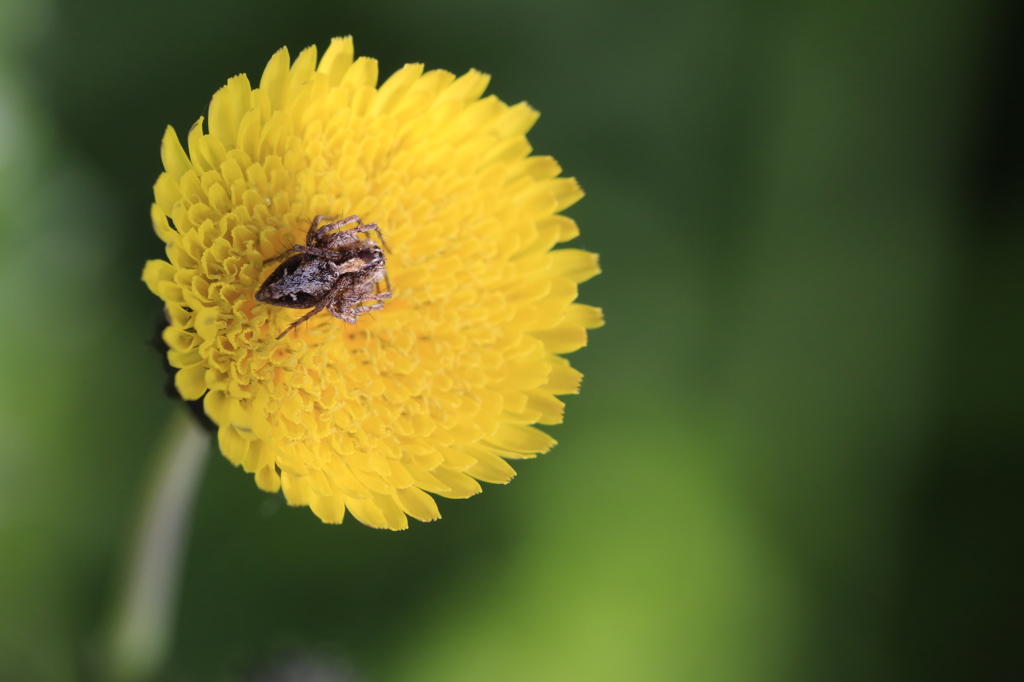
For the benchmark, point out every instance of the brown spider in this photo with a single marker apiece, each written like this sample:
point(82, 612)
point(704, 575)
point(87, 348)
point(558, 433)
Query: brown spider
point(333, 270)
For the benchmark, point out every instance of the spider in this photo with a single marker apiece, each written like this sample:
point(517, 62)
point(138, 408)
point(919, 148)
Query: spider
point(333, 270)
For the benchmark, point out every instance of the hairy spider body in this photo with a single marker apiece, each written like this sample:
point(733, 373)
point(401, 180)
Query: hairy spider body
point(334, 270)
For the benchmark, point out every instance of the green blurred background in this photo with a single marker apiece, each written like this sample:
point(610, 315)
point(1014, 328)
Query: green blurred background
point(798, 451)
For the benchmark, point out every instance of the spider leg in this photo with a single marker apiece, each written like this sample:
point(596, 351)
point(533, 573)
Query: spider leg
point(380, 236)
point(348, 236)
point(378, 297)
point(362, 310)
point(343, 313)
point(283, 254)
point(299, 321)
point(277, 257)
point(319, 306)
point(315, 234)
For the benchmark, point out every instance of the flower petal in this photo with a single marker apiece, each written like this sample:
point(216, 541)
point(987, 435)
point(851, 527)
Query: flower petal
point(227, 108)
point(274, 82)
point(176, 162)
point(574, 264)
point(518, 438)
point(418, 504)
point(337, 59)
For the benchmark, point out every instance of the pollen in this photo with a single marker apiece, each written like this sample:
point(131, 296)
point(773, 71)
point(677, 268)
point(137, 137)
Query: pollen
point(440, 388)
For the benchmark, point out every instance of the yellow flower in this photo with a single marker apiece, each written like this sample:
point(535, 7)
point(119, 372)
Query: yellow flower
point(437, 390)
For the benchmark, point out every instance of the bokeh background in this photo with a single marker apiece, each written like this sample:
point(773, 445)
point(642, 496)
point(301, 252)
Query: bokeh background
point(799, 450)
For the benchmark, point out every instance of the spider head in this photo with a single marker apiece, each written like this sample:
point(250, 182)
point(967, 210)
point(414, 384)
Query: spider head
point(371, 255)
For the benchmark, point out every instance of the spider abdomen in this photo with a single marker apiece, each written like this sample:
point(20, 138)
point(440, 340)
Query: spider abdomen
point(300, 282)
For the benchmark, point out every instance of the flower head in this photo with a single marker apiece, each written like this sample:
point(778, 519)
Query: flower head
point(434, 392)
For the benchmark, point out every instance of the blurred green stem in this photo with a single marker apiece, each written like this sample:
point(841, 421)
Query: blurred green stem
point(143, 626)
